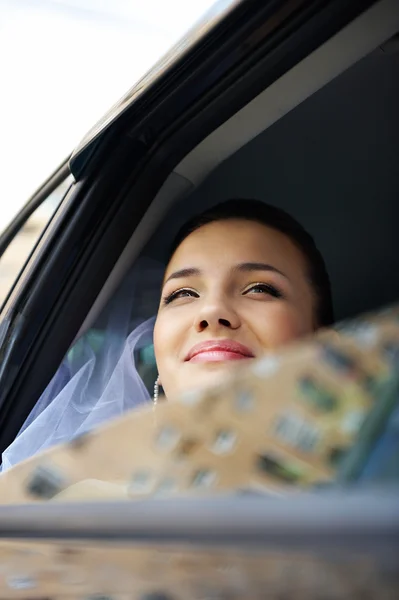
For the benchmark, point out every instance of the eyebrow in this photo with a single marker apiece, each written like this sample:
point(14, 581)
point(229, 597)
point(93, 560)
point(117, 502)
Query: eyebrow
point(246, 267)
point(183, 273)
point(256, 266)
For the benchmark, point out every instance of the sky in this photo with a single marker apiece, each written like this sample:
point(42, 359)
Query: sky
point(63, 64)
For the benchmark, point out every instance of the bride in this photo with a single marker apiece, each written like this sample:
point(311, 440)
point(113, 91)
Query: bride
point(241, 280)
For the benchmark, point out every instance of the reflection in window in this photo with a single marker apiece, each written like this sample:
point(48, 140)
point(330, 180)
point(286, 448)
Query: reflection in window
point(382, 465)
point(317, 396)
point(297, 432)
point(336, 455)
point(352, 421)
point(279, 469)
point(19, 250)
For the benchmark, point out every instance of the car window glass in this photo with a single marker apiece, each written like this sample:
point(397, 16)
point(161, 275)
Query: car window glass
point(116, 355)
point(15, 256)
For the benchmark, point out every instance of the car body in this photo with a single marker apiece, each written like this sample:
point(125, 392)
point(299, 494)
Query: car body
point(181, 132)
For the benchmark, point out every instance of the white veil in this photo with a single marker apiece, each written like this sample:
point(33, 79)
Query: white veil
point(103, 374)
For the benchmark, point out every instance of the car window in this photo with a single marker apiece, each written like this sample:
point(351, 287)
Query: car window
point(15, 256)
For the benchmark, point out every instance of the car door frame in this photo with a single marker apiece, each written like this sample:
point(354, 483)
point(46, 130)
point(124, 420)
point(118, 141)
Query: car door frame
point(8, 235)
point(255, 44)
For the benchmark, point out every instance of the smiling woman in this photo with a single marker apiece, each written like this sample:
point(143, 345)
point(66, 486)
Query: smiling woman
point(243, 279)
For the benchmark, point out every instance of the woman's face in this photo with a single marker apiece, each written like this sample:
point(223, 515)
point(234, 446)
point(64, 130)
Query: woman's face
point(232, 291)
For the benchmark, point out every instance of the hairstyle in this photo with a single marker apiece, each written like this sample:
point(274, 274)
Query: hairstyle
point(276, 218)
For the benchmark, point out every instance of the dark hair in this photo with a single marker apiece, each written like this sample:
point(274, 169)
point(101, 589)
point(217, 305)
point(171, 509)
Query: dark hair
point(255, 210)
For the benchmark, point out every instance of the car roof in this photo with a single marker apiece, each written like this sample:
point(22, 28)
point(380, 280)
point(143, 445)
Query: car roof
point(210, 20)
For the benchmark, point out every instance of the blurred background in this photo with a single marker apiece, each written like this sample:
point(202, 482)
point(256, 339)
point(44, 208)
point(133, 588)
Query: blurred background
point(63, 64)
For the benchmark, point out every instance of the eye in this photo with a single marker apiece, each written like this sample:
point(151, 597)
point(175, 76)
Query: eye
point(182, 293)
point(263, 288)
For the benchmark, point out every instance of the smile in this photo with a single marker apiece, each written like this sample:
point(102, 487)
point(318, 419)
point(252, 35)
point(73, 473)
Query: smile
point(218, 351)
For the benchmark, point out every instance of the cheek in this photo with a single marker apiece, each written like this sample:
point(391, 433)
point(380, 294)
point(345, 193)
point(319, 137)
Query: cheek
point(167, 335)
point(279, 323)
point(170, 332)
point(160, 333)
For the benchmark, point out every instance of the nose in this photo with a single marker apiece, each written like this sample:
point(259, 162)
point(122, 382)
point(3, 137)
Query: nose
point(216, 315)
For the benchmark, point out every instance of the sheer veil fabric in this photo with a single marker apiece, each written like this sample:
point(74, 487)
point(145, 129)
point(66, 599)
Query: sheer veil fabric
point(98, 378)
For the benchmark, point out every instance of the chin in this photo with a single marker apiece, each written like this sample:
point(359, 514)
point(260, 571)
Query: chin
point(211, 374)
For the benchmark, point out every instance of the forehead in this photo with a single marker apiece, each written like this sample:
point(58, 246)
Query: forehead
point(226, 242)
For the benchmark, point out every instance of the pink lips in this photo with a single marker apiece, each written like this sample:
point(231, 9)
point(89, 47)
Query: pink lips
point(218, 351)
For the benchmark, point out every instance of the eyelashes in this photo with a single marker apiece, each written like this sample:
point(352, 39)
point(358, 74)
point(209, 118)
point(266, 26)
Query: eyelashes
point(182, 293)
point(255, 288)
point(264, 288)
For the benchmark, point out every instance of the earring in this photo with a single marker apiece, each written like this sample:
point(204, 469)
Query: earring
point(156, 391)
